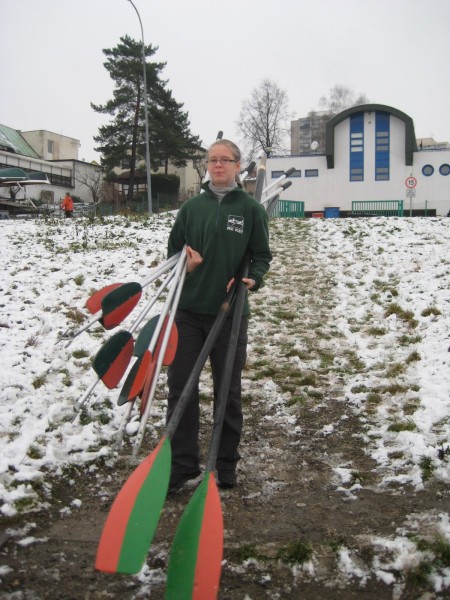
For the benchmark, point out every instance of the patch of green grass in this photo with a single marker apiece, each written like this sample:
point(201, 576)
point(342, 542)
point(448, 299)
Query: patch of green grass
point(39, 381)
point(80, 354)
point(374, 398)
point(295, 553)
point(399, 426)
point(418, 577)
point(405, 315)
point(431, 311)
point(247, 552)
point(427, 467)
point(78, 279)
point(407, 340)
point(376, 331)
point(413, 357)
point(395, 369)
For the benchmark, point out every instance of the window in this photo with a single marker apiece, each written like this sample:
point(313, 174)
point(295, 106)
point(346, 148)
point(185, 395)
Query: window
point(126, 162)
point(444, 169)
point(357, 147)
point(296, 173)
point(50, 144)
point(276, 174)
point(382, 138)
point(427, 170)
point(311, 172)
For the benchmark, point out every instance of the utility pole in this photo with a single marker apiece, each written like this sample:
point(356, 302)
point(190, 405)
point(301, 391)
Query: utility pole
point(147, 144)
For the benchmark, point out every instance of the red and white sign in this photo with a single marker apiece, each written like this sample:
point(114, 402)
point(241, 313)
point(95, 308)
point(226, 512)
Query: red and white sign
point(411, 182)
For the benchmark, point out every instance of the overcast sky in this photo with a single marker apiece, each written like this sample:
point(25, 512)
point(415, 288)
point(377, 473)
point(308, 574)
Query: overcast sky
point(394, 51)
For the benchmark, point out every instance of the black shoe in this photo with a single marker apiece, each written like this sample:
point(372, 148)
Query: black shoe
point(177, 480)
point(227, 480)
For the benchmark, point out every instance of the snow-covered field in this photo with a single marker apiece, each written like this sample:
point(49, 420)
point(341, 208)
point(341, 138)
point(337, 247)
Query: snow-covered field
point(51, 268)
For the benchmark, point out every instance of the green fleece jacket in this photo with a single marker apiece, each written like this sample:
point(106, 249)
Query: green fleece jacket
point(221, 232)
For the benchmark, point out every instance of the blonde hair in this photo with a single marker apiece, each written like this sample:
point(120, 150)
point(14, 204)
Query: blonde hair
point(234, 151)
point(230, 145)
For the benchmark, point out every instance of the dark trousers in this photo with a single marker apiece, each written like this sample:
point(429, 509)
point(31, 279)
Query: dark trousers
point(192, 332)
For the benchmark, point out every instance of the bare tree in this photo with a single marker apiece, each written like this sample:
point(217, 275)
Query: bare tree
point(264, 118)
point(93, 180)
point(340, 98)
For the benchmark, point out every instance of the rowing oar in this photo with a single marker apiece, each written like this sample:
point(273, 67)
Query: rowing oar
point(113, 358)
point(277, 181)
point(271, 201)
point(195, 560)
point(113, 303)
point(131, 523)
point(141, 372)
point(260, 177)
point(149, 390)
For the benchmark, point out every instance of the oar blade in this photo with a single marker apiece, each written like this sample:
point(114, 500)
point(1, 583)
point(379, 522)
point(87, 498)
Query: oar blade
point(134, 382)
point(113, 358)
point(145, 336)
point(94, 303)
point(118, 304)
point(172, 345)
point(131, 523)
point(195, 562)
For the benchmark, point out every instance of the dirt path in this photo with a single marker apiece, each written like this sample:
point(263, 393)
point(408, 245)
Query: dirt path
point(293, 528)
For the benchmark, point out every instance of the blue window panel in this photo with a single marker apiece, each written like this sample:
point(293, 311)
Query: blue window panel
point(357, 147)
point(382, 146)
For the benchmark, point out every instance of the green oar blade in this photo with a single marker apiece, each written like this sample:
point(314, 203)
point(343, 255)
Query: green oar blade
point(131, 523)
point(196, 558)
point(113, 358)
point(145, 335)
point(119, 303)
point(94, 303)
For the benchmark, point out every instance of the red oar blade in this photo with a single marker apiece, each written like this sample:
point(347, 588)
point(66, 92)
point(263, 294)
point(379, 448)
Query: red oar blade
point(118, 304)
point(94, 303)
point(148, 383)
point(133, 518)
point(196, 558)
point(113, 358)
point(135, 379)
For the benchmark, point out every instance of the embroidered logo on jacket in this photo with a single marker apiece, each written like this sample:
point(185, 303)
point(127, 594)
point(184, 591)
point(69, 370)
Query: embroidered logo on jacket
point(235, 224)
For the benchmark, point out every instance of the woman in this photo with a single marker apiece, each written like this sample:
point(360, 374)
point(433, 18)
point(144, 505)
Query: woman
point(218, 227)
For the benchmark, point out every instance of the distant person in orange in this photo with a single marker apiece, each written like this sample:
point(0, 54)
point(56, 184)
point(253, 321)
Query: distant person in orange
point(67, 205)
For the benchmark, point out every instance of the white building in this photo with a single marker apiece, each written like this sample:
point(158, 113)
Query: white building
point(371, 153)
point(56, 156)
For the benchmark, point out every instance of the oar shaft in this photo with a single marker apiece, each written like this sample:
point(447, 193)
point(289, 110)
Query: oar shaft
point(177, 287)
point(153, 300)
point(278, 180)
point(83, 399)
point(219, 413)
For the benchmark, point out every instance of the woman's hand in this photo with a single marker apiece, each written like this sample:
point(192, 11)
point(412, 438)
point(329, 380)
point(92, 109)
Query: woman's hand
point(250, 283)
point(193, 259)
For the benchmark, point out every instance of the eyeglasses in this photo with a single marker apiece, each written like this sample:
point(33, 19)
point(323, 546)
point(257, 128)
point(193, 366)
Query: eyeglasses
point(222, 161)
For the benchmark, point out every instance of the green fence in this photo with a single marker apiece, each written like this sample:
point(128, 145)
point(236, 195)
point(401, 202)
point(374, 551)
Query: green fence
point(289, 209)
point(377, 208)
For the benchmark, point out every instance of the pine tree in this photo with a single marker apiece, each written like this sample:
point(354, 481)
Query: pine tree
point(123, 138)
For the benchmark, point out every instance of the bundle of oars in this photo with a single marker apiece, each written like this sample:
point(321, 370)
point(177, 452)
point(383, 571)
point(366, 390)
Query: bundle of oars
point(195, 561)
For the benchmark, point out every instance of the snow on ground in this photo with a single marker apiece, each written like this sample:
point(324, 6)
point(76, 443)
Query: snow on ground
point(51, 268)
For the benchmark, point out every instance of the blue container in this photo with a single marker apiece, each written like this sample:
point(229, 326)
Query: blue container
point(331, 212)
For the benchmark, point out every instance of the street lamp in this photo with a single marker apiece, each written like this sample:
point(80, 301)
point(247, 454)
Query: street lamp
point(147, 145)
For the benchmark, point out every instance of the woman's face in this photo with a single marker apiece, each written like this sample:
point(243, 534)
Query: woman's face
point(222, 172)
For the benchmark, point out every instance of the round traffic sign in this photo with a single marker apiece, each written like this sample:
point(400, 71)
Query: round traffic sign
point(411, 182)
